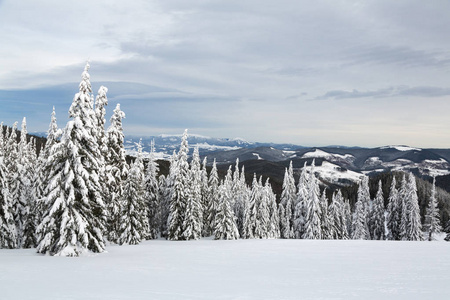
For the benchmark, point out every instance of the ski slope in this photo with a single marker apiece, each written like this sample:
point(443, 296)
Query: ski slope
point(242, 269)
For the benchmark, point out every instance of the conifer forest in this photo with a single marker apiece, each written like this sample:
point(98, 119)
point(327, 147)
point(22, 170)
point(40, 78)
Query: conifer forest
point(78, 193)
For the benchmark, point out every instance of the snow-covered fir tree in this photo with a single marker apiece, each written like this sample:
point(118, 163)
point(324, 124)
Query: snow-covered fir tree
point(180, 192)
point(251, 211)
point(325, 222)
point(287, 204)
point(313, 225)
point(300, 205)
point(212, 202)
point(151, 194)
point(8, 238)
point(377, 216)
point(11, 160)
point(239, 195)
point(165, 192)
point(413, 224)
point(347, 216)
point(273, 227)
point(225, 227)
point(359, 222)
point(360, 216)
point(100, 112)
point(134, 210)
point(25, 205)
point(43, 168)
point(116, 172)
point(394, 213)
point(204, 196)
point(403, 196)
point(263, 215)
point(337, 218)
point(73, 220)
point(364, 196)
point(193, 214)
point(432, 222)
point(101, 101)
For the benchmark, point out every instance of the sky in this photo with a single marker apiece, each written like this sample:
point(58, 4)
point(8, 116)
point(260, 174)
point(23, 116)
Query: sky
point(312, 73)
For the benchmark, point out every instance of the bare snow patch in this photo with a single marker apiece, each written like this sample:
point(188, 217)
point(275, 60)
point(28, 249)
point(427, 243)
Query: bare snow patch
point(322, 154)
point(257, 156)
point(335, 174)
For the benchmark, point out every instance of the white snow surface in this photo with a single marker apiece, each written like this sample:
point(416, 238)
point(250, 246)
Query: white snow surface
point(241, 269)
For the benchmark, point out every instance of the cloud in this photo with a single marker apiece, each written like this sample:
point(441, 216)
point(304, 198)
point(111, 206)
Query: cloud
point(227, 68)
point(420, 91)
point(397, 55)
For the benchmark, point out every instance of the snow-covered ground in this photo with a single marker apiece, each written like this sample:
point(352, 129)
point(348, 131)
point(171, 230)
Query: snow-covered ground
point(242, 269)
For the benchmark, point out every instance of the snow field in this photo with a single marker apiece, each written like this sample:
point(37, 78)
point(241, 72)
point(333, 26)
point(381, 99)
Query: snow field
point(240, 269)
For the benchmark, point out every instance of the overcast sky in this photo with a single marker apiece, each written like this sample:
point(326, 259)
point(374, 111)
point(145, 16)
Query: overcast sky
point(313, 73)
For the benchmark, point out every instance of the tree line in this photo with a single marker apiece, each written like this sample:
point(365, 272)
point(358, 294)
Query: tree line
point(78, 193)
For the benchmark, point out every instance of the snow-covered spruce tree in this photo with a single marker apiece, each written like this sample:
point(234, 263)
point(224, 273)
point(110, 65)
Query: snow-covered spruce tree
point(205, 198)
point(300, 204)
point(165, 193)
point(239, 195)
point(262, 216)
point(364, 194)
point(344, 216)
point(377, 216)
point(273, 228)
point(151, 194)
point(393, 218)
point(134, 210)
point(100, 112)
point(225, 225)
point(325, 222)
point(287, 202)
point(251, 211)
point(100, 135)
point(404, 213)
point(193, 218)
point(163, 204)
point(414, 226)
point(11, 160)
point(359, 222)
point(432, 222)
point(8, 238)
point(73, 220)
point(334, 217)
point(29, 172)
point(24, 200)
point(313, 226)
point(212, 201)
point(180, 193)
point(360, 215)
point(116, 172)
point(41, 179)
point(347, 216)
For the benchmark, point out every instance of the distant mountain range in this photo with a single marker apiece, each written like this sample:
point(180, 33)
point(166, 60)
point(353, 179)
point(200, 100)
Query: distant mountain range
point(334, 164)
point(338, 165)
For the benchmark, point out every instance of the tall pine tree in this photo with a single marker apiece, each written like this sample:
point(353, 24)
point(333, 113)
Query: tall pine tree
point(432, 223)
point(74, 218)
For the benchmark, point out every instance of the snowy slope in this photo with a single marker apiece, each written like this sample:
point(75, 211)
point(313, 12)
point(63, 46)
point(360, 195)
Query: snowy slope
point(333, 173)
point(242, 269)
